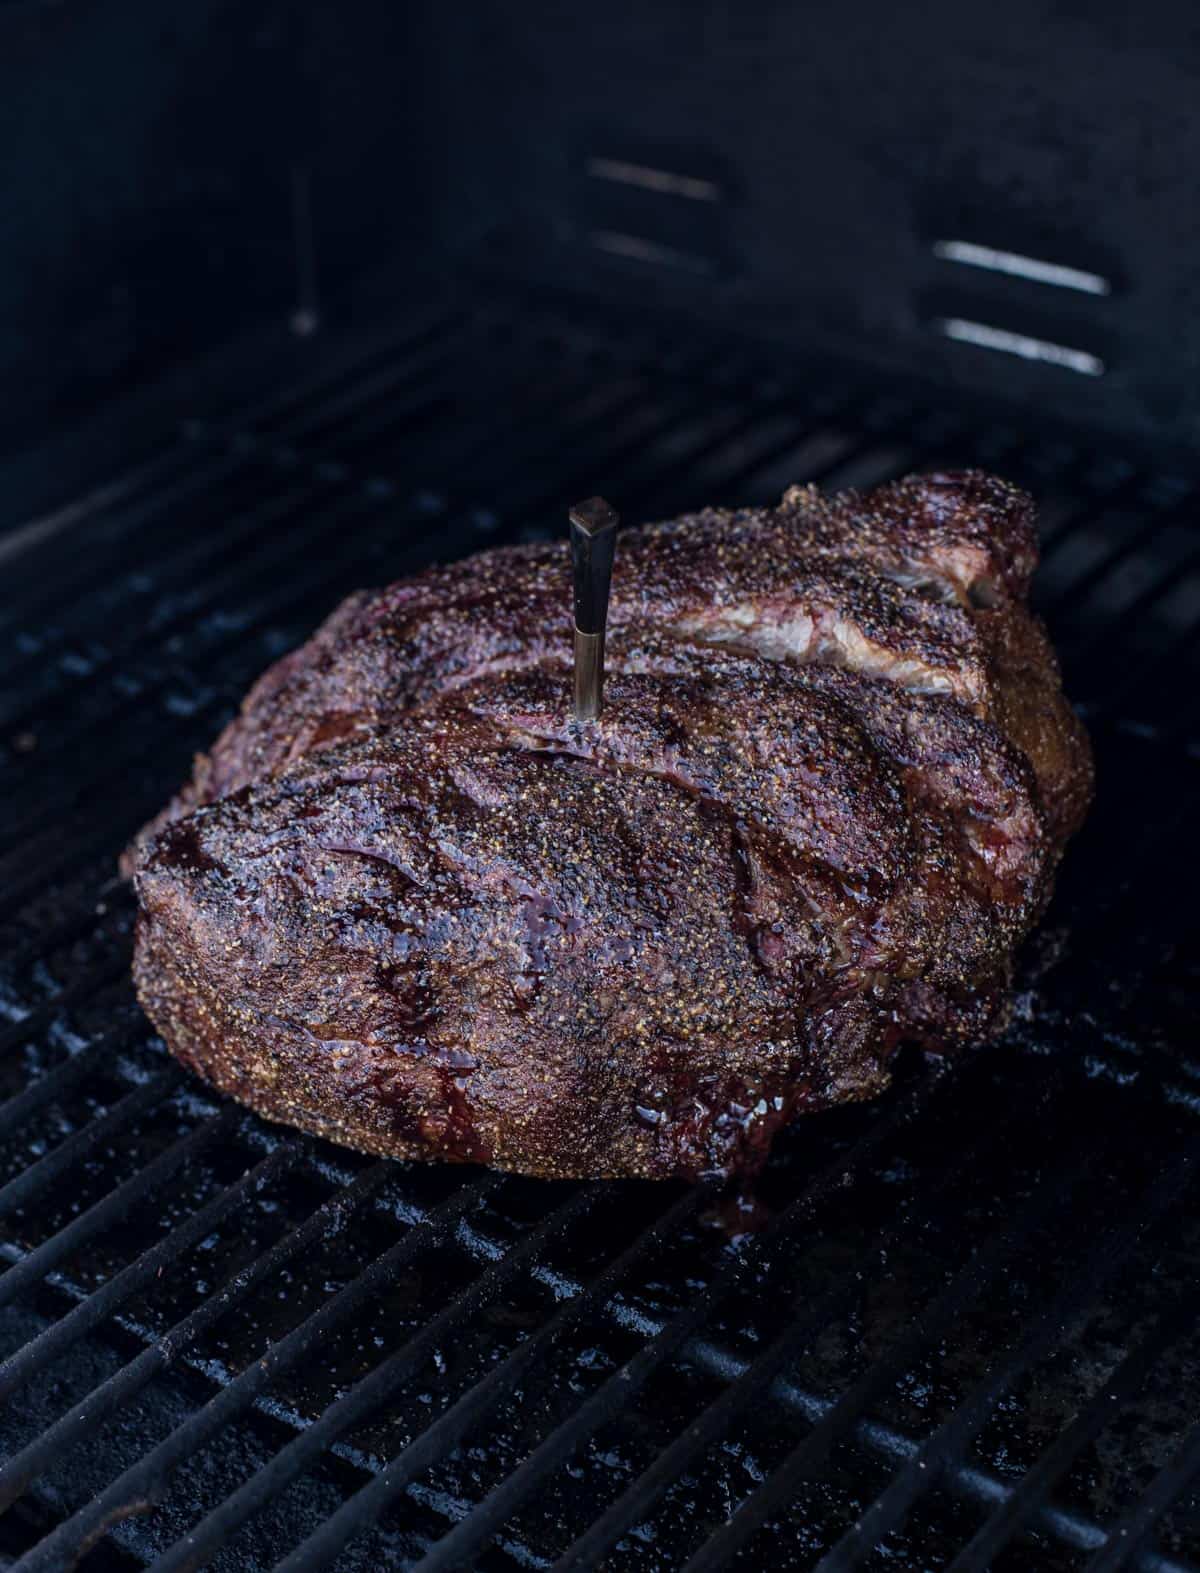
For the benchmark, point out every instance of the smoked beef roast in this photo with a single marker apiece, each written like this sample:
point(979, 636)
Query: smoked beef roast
point(407, 903)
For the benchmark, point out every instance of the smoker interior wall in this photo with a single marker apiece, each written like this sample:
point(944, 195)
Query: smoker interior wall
point(828, 148)
point(814, 158)
point(146, 164)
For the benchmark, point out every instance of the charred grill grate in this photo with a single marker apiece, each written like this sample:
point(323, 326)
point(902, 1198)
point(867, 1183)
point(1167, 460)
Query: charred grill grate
point(968, 1329)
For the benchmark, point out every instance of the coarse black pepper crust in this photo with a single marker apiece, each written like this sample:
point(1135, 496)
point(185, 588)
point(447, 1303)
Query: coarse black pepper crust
point(407, 903)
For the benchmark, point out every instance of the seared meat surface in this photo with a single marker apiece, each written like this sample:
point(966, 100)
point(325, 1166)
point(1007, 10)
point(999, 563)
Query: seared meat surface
point(408, 903)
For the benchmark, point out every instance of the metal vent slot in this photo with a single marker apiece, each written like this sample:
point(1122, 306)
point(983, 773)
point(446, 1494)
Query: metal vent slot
point(988, 336)
point(993, 259)
point(1019, 299)
point(667, 210)
point(637, 247)
point(667, 181)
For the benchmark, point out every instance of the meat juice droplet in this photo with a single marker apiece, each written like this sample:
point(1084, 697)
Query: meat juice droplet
point(460, 1137)
point(448, 1127)
point(184, 843)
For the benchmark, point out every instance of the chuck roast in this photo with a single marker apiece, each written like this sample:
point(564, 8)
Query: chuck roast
point(407, 903)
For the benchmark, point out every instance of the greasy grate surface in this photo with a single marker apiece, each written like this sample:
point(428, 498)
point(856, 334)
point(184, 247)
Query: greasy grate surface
point(967, 1334)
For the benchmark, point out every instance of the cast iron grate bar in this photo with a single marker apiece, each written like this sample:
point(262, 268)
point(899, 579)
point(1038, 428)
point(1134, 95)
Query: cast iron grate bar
point(17, 1472)
point(111, 1209)
point(1126, 1539)
point(1019, 1508)
point(919, 1474)
point(467, 1412)
point(150, 1473)
point(242, 524)
point(61, 1080)
point(113, 502)
point(999, 1246)
point(299, 1454)
point(27, 1187)
point(669, 1341)
point(1072, 1530)
point(754, 1382)
point(1123, 551)
point(104, 1302)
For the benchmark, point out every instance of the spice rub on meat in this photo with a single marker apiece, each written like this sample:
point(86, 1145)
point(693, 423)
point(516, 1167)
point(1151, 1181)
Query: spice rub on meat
point(408, 903)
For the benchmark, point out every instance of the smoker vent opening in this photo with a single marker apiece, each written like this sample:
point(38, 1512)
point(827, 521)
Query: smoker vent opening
point(1013, 264)
point(1002, 299)
point(639, 249)
point(660, 208)
point(670, 182)
point(986, 335)
point(967, 1331)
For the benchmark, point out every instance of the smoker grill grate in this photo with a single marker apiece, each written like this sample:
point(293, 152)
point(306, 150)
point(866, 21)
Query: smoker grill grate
point(967, 1332)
